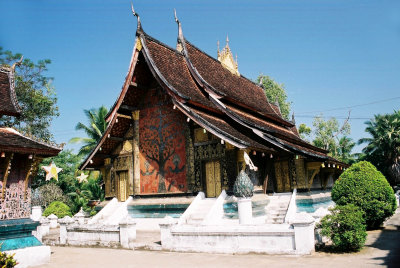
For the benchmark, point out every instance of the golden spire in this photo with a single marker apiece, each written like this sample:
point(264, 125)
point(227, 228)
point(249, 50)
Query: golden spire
point(226, 58)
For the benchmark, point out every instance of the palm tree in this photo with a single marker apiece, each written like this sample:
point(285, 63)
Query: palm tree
point(94, 130)
point(383, 147)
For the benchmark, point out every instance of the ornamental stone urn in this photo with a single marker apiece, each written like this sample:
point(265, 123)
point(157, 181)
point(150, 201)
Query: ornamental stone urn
point(243, 190)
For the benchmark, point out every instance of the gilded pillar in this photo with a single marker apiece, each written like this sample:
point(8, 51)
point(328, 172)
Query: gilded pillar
point(136, 152)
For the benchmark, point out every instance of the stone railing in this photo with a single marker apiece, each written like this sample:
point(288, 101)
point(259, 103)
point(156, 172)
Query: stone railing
point(200, 196)
point(292, 208)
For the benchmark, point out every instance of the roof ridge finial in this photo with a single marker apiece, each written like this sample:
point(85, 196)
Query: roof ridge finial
point(17, 63)
point(139, 25)
point(261, 83)
point(180, 33)
point(227, 39)
point(218, 47)
point(293, 120)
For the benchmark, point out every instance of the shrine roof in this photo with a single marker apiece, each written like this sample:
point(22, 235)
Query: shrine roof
point(13, 141)
point(172, 66)
point(8, 99)
point(234, 88)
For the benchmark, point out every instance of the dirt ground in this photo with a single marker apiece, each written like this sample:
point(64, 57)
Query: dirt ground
point(382, 250)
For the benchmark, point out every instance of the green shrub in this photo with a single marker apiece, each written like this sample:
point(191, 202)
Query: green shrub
point(7, 260)
point(345, 227)
point(365, 187)
point(59, 209)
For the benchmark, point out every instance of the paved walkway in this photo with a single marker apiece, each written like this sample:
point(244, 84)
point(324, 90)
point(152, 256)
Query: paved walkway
point(382, 250)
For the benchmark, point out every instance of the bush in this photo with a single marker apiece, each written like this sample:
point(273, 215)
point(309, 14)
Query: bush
point(48, 193)
point(365, 187)
point(345, 227)
point(59, 209)
point(7, 260)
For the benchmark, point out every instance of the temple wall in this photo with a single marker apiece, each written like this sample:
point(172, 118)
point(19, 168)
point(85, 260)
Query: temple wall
point(16, 203)
point(162, 145)
point(301, 174)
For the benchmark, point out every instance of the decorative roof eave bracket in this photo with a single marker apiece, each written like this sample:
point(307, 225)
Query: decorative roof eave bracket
point(193, 71)
point(6, 173)
point(157, 73)
point(209, 127)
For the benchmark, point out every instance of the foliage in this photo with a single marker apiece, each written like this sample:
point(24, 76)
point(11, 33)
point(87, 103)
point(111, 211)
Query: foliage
point(67, 181)
point(275, 91)
point(48, 193)
point(89, 190)
point(36, 96)
point(7, 260)
point(304, 131)
point(364, 186)
point(92, 186)
point(59, 209)
point(345, 227)
point(243, 186)
point(383, 147)
point(329, 136)
point(94, 130)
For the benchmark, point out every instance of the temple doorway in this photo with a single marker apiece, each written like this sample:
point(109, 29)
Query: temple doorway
point(213, 178)
point(122, 185)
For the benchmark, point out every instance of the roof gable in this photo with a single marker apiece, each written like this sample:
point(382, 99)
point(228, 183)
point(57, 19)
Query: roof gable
point(8, 99)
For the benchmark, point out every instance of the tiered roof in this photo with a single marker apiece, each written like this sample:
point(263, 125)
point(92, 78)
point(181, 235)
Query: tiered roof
point(10, 139)
point(226, 104)
point(8, 100)
point(14, 142)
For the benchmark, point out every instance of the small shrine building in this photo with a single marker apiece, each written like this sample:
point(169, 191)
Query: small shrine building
point(183, 121)
point(20, 157)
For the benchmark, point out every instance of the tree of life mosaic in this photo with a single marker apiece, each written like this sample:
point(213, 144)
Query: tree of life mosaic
point(162, 145)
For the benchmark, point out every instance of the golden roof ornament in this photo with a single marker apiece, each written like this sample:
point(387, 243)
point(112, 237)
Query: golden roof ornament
point(226, 58)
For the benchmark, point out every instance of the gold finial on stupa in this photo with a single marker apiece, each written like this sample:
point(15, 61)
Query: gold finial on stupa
point(226, 58)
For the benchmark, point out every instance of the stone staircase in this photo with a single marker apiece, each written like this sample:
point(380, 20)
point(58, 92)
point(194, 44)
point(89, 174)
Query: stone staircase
point(202, 208)
point(277, 208)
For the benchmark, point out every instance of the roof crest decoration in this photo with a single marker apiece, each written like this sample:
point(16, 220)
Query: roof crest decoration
point(139, 24)
point(179, 45)
point(226, 58)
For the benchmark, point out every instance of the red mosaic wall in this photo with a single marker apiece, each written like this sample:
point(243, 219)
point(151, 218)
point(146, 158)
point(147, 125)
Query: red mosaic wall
point(162, 145)
point(14, 205)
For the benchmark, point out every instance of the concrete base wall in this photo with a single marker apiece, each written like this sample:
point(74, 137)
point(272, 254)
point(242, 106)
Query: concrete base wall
point(296, 237)
point(31, 256)
point(106, 237)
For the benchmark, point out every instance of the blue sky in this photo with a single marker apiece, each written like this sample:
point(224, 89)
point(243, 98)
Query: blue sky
point(328, 54)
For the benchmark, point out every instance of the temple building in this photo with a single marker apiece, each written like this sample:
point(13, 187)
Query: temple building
point(20, 157)
point(184, 121)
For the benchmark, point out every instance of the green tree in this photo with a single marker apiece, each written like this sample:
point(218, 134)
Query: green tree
point(304, 131)
point(275, 91)
point(383, 147)
point(365, 187)
point(329, 136)
point(67, 181)
point(345, 227)
point(36, 96)
point(94, 130)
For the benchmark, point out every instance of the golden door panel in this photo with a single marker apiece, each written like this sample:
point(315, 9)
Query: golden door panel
point(122, 185)
point(213, 178)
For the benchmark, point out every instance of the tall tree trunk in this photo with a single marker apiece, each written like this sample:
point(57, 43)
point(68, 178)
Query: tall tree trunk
point(161, 181)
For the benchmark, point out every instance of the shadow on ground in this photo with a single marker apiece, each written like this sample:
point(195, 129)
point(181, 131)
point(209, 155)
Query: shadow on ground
point(389, 240)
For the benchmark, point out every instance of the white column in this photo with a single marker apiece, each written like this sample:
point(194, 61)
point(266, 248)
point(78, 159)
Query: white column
point(245, 211)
